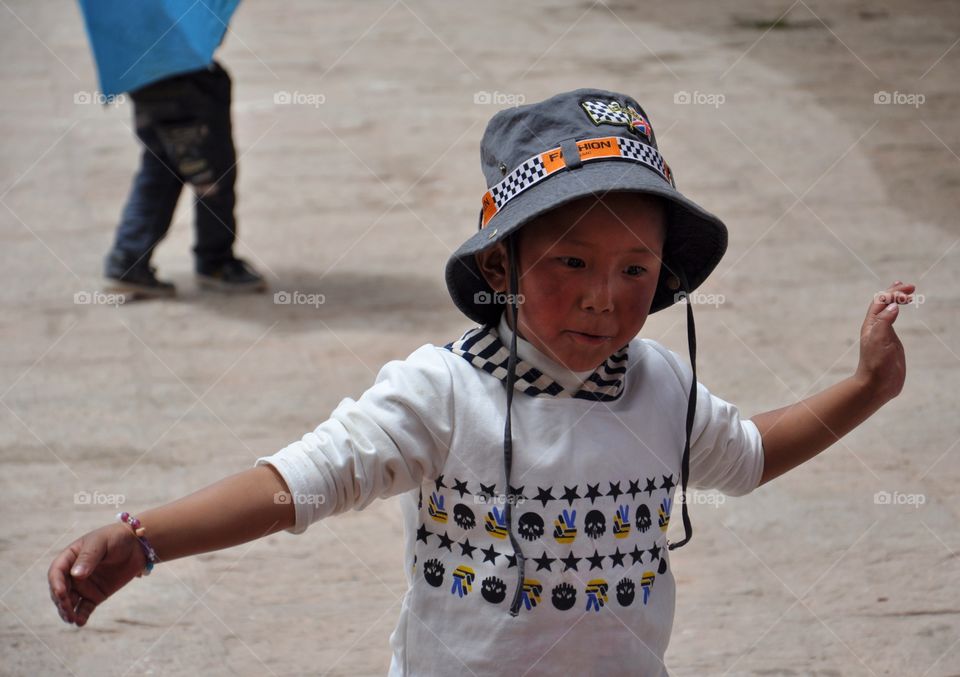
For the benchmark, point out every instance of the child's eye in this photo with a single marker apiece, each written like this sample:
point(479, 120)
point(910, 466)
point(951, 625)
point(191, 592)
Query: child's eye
point(572, 262)
point(635, 270)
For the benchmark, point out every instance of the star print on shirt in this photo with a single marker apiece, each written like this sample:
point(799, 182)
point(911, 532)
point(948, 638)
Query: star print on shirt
point(637, 555)
point(460, 487)
point(545, 495)
point(654, 552)
point(515, 494)
point(466, 550)
point(596, 562)
point(617, 558)
point(423, 534)
point(544, 562)
point(651, 486)
point(445, 541)
point(593, 492)
point(570, 562)
point(614, 490)
point(511, 560)
point(440, 484)
point(667, 482)
point(487, 491)
point(490, 555)
point(634, 489)
point(570, 494)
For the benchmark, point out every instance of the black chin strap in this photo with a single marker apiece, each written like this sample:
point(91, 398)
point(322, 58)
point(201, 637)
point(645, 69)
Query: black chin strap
point(691, 411)
point(512, 292)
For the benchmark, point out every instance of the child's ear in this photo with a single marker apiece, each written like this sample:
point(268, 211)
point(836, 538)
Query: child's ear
point(493, 265)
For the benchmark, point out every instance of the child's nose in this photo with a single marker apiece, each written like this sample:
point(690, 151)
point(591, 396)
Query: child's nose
point(597, 296)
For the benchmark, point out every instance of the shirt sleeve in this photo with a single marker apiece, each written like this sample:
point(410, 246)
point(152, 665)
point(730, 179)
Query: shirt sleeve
point(383, 444)
point(726, 451)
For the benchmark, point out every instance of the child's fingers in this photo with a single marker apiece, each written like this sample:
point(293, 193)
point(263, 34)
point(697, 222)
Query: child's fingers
point(60, 585)
point(84, 608)
point(91, 552)
point(889, 313)
point(898, 292)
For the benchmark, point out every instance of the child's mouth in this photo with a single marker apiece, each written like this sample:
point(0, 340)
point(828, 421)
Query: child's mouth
point(588, 339)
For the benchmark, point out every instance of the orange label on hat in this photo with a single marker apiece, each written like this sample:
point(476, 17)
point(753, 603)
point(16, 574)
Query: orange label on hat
point(596, 148)
point(552, 160)
point(489, 208)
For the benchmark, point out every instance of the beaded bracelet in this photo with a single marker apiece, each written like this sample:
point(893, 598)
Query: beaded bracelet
point(138, 531)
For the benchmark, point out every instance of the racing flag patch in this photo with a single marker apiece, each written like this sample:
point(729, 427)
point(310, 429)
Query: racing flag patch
point(615, 113)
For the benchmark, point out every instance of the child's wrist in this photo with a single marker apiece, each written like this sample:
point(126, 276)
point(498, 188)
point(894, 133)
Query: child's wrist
point(133, 526)
point(870, 388)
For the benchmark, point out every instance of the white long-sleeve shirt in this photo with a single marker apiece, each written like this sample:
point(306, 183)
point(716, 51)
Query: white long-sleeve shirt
point(594, 473)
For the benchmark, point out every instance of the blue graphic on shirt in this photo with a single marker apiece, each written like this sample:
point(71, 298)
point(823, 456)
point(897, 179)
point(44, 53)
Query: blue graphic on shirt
point(664, 512)
point(621, 522)
point(462, 581)
point(435, 508)
point(531, 593)
point(647, 582)
point(495, 523)
point(596, 594)
point(565, 527)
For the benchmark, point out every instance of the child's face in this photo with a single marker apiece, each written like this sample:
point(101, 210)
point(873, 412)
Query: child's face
point(587, 273)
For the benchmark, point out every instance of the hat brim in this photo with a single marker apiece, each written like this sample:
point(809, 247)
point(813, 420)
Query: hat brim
point(696, 239)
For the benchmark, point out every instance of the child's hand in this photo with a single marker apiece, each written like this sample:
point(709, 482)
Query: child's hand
point(882, 364)
point(91, 569)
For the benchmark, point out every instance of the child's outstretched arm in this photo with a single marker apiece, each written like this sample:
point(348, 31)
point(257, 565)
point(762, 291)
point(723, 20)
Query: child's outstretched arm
point(799, 432)
point(235, 510)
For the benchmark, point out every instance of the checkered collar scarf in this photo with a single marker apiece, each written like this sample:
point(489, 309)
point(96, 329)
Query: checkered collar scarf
point(482, 347)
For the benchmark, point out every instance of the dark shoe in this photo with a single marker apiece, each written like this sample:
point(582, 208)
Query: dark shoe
point(125, 276)
point(235, 276)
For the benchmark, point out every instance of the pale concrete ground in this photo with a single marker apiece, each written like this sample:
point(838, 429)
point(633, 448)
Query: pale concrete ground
point(829, 197)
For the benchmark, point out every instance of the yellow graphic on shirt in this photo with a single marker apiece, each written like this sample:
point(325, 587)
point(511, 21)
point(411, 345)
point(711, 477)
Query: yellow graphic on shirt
point(462, 581)
point(596, 594)
point(664, 512)
point(435, 508)
point(531, 592)
point(565, 527)
point(621, 522)
point(495, 523)
point(647, 582)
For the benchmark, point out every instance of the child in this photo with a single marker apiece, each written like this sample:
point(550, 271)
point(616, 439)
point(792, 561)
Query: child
point(183, 122)
point(553, 555)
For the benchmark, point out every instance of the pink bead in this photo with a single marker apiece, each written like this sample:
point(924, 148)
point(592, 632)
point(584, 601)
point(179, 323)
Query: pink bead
point(124, 516)
point(135, 523)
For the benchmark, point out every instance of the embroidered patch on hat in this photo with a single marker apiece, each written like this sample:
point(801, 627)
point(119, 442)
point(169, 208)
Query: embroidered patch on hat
point(615, 113)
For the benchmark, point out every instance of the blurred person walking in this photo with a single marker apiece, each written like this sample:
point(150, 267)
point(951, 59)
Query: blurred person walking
point(162, 55)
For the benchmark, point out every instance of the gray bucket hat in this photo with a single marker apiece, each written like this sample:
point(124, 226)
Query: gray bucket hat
point(585, 142)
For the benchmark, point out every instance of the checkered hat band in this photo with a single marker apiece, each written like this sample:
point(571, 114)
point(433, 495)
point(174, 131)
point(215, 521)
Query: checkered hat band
point(534, 170)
